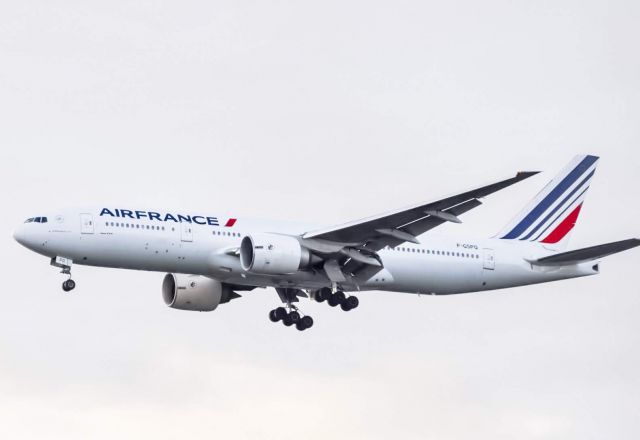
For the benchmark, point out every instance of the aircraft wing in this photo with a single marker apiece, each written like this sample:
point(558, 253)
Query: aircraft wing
point(394, 228)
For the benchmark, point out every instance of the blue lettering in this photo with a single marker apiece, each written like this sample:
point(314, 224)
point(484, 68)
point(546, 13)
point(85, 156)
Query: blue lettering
point(125, 213)
point(170, 217)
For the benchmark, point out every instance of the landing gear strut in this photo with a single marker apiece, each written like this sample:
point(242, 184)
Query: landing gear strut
point(290, 314)
point(337, 298)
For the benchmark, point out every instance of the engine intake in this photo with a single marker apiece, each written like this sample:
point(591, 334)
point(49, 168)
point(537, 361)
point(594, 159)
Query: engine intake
point(194, 292)
point(266, 253)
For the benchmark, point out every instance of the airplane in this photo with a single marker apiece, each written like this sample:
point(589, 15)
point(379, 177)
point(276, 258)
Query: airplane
point(210, 260)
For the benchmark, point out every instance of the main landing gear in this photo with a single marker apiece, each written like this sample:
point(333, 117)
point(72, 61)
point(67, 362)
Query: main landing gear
point(290, 317)
point(334, 299)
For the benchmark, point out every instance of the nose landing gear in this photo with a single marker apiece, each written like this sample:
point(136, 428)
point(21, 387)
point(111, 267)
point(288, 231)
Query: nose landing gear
point(65, 265)
point(68, 285)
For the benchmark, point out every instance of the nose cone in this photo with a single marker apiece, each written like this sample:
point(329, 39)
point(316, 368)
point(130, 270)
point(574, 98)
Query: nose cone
point(25, 237)
point(19, 235)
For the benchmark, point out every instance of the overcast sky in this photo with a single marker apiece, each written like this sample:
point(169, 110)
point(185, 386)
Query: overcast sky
point(322, 112)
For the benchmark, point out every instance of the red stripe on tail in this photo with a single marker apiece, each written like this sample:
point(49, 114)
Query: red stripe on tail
point(563, 228)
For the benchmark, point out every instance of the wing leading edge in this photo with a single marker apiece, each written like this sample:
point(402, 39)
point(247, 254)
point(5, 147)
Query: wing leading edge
point(396, 227)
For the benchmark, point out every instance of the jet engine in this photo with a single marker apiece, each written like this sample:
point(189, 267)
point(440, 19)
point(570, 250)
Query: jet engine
point(266, 253)
point(194, 292)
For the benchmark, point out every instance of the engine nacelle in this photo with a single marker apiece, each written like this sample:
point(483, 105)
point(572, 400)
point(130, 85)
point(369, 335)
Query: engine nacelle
point(194, 292)
point(273, 254)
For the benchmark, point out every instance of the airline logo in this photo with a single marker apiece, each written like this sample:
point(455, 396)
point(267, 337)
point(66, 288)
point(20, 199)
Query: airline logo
point(556, 214)
point(165, 217)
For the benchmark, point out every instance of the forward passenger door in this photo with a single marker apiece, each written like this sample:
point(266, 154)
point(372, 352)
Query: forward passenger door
point(86, 223)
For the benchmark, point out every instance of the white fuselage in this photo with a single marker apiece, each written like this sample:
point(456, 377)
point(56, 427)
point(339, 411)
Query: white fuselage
point(206, 246)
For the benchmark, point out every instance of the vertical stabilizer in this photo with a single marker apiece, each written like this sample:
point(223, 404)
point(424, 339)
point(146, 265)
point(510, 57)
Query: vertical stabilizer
point(549, 218)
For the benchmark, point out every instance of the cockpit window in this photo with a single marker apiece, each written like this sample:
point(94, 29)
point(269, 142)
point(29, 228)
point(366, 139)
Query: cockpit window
point(29, 220)
point(36, 220)
point(44, 220)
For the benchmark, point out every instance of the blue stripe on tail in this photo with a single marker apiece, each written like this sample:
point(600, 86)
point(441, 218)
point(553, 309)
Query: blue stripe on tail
point(561, 204)
point(554, 195)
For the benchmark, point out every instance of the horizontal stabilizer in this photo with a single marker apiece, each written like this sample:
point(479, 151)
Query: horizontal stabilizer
point(588, 254)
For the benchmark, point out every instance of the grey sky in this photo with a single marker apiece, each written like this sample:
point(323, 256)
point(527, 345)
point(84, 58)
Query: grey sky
point(322, 112)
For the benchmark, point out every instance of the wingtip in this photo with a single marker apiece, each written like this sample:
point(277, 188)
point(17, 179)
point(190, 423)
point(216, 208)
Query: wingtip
point(526, 174)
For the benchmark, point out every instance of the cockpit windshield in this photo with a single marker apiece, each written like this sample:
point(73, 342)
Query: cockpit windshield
point(36, 220)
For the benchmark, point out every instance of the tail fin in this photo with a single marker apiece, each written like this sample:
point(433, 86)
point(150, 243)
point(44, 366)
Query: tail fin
point(552, 214)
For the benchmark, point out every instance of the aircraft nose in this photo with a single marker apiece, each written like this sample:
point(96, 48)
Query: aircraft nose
point(20, 235)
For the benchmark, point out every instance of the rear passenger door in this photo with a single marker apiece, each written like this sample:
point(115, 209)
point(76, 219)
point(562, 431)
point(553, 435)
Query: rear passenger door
point(489, 262)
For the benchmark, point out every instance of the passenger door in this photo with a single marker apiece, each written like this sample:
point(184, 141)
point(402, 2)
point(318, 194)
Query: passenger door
point(86, 223)
point(186, 231)
point(489, 262)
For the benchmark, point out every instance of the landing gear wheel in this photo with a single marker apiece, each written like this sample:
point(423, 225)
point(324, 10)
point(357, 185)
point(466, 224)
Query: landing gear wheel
point(323, 294)
point(273, 317)
point(304, 323)
point(287, 320)
point(336, 298)
point(68, 285)
point(294, 316)
point(307, 321)
point(280, 313)
point(350, 303)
